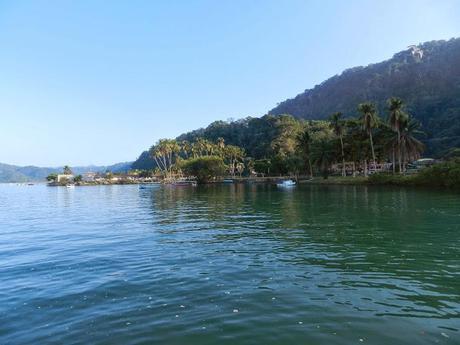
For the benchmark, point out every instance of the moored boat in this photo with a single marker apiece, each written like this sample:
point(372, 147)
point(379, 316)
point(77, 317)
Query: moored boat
point(286, 183)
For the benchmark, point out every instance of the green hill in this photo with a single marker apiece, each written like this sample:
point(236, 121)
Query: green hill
point(426, 77)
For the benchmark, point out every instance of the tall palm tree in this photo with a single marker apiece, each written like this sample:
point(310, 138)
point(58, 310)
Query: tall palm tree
point(370, 120)
point(389, 143)
point(338, 127)
point(411, 146)
point(185, 148)
point(397, 118)
point(232, 155)
point(67, 170)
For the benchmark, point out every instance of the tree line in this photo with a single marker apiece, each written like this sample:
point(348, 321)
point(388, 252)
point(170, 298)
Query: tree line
point(280, 145)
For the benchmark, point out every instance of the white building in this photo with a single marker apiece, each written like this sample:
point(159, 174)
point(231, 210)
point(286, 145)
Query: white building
point(89, 176)
point(64, 178)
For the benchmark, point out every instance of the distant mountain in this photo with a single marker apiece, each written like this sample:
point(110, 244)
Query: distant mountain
point(426, 77)
point(13, 173)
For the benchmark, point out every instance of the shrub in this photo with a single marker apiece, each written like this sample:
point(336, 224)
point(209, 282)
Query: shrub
point(446, 174)
point(51, 177)
point(205, 169)
point(390, 179)
point(443, 174)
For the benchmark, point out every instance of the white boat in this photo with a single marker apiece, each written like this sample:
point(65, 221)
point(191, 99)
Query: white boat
point(70, 186)
point(148, 185)
point(286, 183)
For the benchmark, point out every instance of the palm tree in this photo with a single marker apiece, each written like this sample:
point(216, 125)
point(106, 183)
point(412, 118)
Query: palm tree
point(195, 150)
point(201, 146)
point(396, 119)
point(67, 170)
point(411, 146)
point(165, 153)
point(304, 146)
point(370, 120)
point(185, 148)
point(220, 143)
point(338, 126)
point(233, 154)
point(389, 143)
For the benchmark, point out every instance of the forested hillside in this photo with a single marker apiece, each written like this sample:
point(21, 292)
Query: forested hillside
point(254, 135)
point(425, 77)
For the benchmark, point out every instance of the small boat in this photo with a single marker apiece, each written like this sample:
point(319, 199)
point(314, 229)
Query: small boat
point(148, 185)
point(71, 186)
point(286, 183)
point(228, 180)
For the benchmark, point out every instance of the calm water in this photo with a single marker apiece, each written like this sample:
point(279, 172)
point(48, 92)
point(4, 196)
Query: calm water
point(229, 265)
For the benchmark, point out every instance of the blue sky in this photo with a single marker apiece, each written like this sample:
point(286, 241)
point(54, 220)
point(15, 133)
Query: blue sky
point(96, 82)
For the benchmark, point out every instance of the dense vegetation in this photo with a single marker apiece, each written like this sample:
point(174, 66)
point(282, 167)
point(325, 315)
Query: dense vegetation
point(204, 168)
point(293, 146)
point(427, 77)
point(445, 174)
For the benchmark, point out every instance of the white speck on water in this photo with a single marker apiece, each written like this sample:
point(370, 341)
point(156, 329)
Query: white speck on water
point(182, 306)
point(150, 297)
point(227, 292)
point(273, 298)
point(203, 327)
point(361, 339)
point(128, 323)
point(444, 335)
point(235, 310)
point(300, 323)
point(177, 315)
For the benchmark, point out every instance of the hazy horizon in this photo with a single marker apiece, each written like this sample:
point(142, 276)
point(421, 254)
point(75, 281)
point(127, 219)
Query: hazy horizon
point(90, 84)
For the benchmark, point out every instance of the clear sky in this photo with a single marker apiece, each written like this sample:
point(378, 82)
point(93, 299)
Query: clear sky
point(96, 82)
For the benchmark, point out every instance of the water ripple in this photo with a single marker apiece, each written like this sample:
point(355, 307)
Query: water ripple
point(228, 264)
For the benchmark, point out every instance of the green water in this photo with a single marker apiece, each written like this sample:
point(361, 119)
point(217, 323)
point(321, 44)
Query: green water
point(230, 264)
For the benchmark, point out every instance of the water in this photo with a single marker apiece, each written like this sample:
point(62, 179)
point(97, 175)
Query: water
point(229, 264)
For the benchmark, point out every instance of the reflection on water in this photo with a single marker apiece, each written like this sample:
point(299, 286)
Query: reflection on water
point(245, 264)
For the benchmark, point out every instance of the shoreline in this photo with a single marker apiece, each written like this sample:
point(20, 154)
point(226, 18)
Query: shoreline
point(373, 180)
